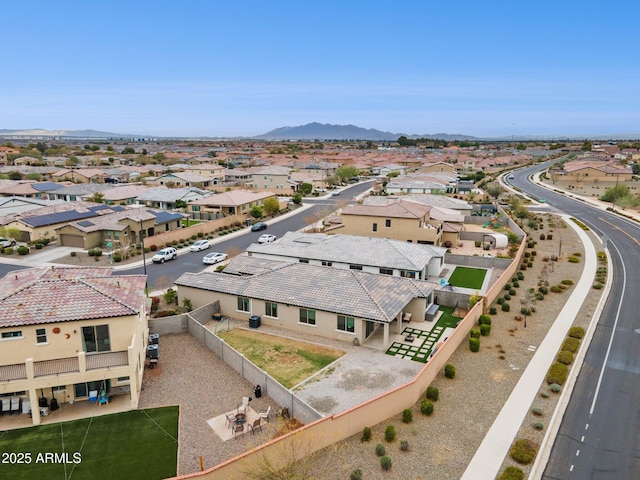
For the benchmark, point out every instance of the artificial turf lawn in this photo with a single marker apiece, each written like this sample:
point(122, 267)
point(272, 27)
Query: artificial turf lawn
point(466, 277)
point(137, 444)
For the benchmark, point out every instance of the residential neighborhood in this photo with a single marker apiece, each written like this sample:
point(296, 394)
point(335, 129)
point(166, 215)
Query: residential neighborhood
point(380, 236)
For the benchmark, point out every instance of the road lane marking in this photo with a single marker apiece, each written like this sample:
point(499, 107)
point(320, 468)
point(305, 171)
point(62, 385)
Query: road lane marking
point(613, 331)
point(620, 230)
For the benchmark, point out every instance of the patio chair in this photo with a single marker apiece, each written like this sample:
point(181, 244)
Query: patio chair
point(406, 317)
point(238, 429)
point(230, 418)
point(265, 414)
point(242, 408)
point(256, 424)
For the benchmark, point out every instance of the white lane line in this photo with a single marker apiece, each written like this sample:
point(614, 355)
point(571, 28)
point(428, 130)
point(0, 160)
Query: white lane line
point(577, 453)
point(613, 332)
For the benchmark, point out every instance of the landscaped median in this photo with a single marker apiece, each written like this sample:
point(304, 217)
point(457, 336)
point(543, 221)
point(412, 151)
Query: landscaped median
point(135, 444)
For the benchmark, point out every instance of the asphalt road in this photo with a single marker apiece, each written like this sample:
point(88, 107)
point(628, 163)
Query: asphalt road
point(162, 276)
point(599, 434)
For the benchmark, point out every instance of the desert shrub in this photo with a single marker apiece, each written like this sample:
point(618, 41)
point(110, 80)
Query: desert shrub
point(200, 234)
point(507, 286)
point(390, 433)
point(500, 301)
point(512, 473)
point(530, 264)
point(597, 286)
point(506, 307)
point(153, 248)
point(404, 445)
point(555, 388)
point(530, 244)
point(555, 289)
point(507, 296)
point(527, 254)
point(449, 370)
point(433, 393)
point(567, 282)
point(117, 257)
point(523, 451)
point(474, 333)
point(538, 426)
point(520, 276)
point(576, 332)
point(366, 434)
point(565, 357)
point(561, 286)
point(407, 415)
point(542, 236)
point(73, 254)
point(39, 246)
point(539, 296)
point(477, 243)
point(543, 290)
point(474, 344)
point(22, 250)
point(516, 284)
point(523, 266)
point(356, 474)
point(512, 292)
point(385, 463)
point(537, 411)
point(533, 253)
point(570, 344)
point(557, 373)
point(485, 330)
point(544, 394)
point(484, 319)
point(573, 259)
point(493, 310)
point(380, 450)
point(426, 407)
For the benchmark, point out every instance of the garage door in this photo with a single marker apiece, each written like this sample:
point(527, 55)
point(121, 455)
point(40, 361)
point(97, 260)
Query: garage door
point(71, 241)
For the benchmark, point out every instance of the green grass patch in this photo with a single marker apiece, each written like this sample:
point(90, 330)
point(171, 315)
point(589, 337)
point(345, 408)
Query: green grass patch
point(447, 319)
point(466, 277)
point(288, 361)
point(136, 444)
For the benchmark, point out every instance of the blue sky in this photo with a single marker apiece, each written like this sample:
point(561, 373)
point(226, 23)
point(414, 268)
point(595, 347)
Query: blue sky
point(216, 68)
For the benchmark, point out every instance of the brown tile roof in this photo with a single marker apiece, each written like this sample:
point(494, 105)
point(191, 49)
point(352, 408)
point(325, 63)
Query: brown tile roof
point(37, 296)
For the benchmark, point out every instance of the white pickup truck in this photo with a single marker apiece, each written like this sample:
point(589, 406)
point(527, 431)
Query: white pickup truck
point(7, 242)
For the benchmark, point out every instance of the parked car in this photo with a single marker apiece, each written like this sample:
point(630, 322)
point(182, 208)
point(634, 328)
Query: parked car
point(266, 238)
point(7, 242)
point(165, 254)
point(214, 257)
point(335, 193)
point(256, 227)
point(510, 177)
point(200, 245)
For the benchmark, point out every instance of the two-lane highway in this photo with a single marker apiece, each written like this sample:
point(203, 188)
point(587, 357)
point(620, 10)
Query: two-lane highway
point(599, 434)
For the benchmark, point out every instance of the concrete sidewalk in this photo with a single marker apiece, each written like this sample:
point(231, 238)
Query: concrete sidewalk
point(490, 455)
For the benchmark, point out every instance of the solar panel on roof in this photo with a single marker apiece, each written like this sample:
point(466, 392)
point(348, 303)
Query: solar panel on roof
point(86, 223)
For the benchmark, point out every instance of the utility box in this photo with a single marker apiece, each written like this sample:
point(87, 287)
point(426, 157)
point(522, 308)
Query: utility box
point(152, 352)
point(254, 321)
point(154, 339)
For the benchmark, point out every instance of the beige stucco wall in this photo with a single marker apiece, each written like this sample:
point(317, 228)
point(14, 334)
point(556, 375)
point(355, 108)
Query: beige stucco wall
point(403, 229)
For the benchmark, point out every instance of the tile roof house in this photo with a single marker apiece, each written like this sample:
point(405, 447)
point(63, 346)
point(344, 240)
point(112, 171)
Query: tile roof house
point(335, 303)
point(68, 332)
point(184, 179)
point(121, 229)
point(166, 198)
point(10, 206)
point(233, 202)
point(369, 254)
point(400, 220)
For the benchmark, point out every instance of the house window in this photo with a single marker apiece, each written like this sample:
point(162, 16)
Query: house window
point(244, 304)
point(59, 388)
point(327, 264)
point(406, 274)
point(14, 334)
point(386, 271)
point(96, 338)
point(307, 316)
point(123, 379)
point(387, 223)
point(271, 309)
point(355, 267)
point(195, 208)
point(41, 335)
point(375, 227)
point(346, 324)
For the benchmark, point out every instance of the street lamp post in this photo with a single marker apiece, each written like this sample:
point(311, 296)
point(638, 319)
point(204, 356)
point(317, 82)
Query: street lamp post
point(144, 260)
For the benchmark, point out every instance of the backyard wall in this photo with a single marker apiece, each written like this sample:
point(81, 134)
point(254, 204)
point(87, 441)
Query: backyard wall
point(160, 239)
point(479, 262)
point(329, 430)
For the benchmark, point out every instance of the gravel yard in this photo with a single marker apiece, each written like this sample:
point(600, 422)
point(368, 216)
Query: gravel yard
point(442, 445)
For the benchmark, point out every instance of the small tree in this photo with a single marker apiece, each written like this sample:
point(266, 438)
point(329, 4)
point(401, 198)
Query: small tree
point(271, 205)
point(296, 198)
point(256, 211)
point(305, 188)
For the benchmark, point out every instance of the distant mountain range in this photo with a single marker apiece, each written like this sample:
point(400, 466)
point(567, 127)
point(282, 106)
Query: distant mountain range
point(326, 131)
point(41, 132)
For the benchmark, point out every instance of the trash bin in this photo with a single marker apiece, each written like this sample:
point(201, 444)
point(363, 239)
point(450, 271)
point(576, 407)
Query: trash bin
point(254, 321)
point(154, 339)
point(257, 391)
point(54, 404)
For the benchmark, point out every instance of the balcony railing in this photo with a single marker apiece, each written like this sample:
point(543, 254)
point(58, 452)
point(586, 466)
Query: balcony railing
point(53, 367)
point(106, 360)
point(13, 372)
